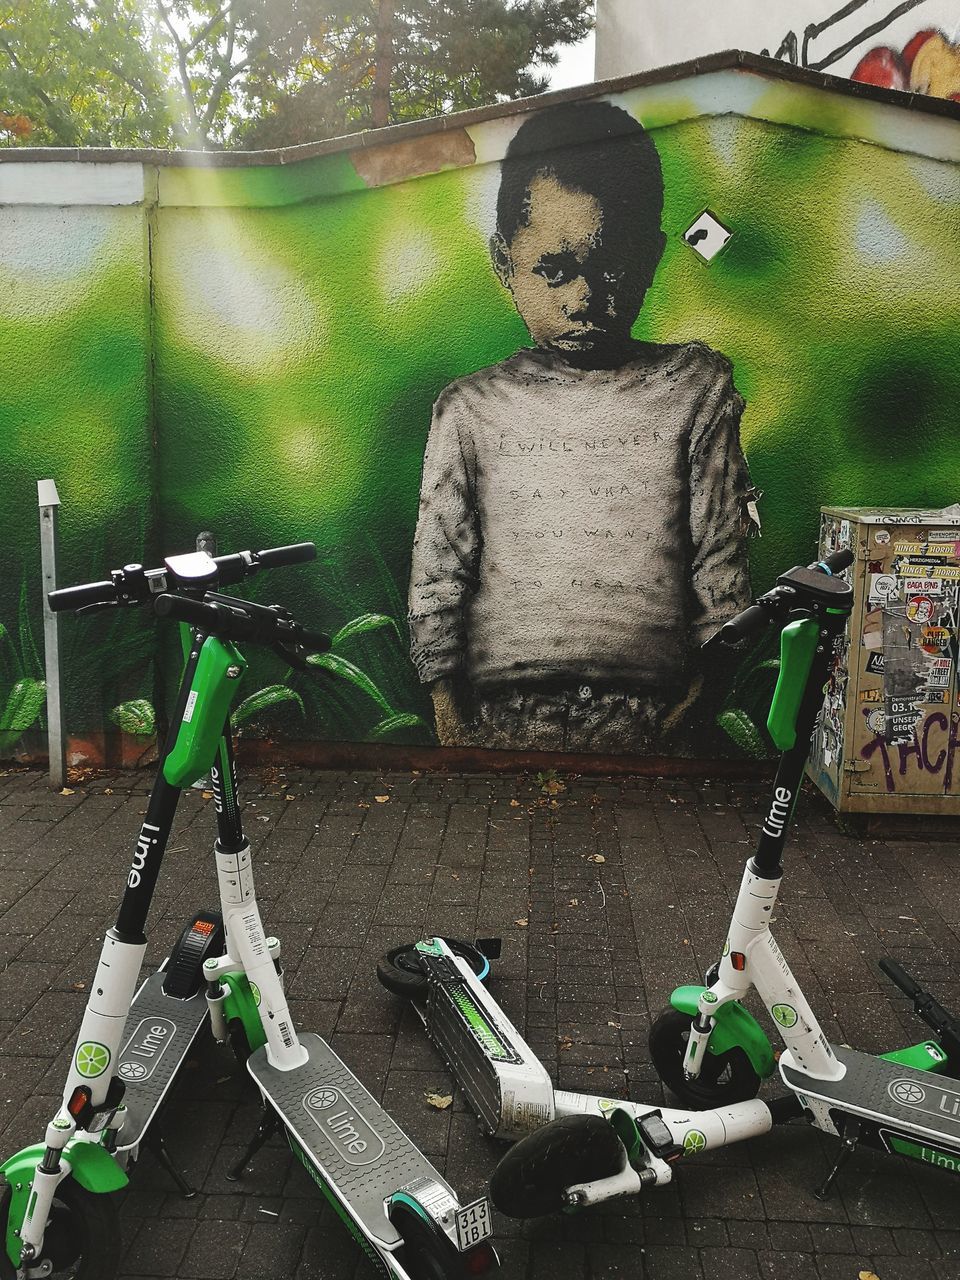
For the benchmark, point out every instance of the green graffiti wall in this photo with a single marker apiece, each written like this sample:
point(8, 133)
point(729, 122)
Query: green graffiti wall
point(256, 350)
point(75, 404)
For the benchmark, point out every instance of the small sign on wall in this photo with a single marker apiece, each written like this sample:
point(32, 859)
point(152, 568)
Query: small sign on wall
point(707, 236)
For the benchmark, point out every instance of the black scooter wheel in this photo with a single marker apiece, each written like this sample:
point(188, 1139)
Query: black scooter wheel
point(427, 1253)
point(82, 1240)
point(724, 1078)
point(531, 1178)
point(401, 973)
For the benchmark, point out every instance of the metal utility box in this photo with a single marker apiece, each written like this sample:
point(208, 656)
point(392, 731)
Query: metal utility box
point(887, 740)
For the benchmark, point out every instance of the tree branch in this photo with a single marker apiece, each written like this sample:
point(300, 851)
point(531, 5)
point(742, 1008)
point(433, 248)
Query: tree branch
point(207, 28)
point(182, 63)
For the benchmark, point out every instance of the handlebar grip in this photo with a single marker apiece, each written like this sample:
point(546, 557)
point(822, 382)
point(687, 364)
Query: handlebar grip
point(183, 609)
point(836, 562)
point(900, 978)
point(84, 594)
point(314, 641)
point(298, 553)
point(748, 623)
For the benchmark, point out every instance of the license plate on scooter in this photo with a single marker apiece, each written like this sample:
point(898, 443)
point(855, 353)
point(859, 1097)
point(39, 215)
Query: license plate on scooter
point(473, 1224)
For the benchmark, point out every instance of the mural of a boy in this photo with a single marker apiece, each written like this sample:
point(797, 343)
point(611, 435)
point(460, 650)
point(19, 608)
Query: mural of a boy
point(582, 523)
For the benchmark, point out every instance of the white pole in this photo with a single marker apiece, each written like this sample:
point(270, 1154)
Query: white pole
point(49, 502)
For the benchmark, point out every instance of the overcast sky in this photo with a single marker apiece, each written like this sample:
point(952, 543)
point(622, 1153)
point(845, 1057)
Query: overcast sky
point(575, 65)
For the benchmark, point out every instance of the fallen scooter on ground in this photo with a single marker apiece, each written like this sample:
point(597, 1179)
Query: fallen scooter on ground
point(577, 1150)
point(57, 1199)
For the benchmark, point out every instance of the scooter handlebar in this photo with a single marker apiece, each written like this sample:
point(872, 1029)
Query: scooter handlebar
point(770, 606)
point(134, 585)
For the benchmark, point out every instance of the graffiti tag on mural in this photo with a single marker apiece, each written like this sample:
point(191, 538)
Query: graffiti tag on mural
point(931, 750)
point(927, 62)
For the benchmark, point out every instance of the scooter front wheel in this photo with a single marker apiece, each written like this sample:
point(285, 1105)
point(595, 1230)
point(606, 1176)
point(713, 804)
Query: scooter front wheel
point(82, 1239)
point(531, 1178)
point(401, 973)
point(724, 1078)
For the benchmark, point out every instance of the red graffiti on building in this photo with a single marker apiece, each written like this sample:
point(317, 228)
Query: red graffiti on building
point(932, 750)
point(928, 63)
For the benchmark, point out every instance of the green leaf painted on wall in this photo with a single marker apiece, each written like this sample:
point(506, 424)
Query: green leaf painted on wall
point(738, 726)
point(403, 720)
point(24, 704)
point(270, 696)
point(136, 716)
point(366, 622)
point(347, 671)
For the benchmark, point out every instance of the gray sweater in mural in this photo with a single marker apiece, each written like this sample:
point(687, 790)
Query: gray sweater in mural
point(580, 525)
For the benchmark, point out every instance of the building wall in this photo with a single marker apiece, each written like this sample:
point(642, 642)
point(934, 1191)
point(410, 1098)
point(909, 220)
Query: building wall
point(75, 405)
point(272, 377)
point(870, 40)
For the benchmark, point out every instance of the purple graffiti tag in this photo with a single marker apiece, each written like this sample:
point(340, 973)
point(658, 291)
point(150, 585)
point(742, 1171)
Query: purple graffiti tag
point(920, 748)
point(870, 748)
point(933, 766)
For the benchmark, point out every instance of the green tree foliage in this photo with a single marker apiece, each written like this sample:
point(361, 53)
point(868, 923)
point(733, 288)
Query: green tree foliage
point(82, 73)
point(263, 73)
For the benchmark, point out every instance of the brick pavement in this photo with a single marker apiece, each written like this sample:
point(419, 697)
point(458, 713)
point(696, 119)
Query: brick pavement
point(341, 876)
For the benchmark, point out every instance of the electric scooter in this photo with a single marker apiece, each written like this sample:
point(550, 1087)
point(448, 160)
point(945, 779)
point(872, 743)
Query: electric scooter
point(577, 1150)
point(57, 1198)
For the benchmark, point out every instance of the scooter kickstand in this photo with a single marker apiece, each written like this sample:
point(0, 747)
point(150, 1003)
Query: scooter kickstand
point(268, 1125)
point(848, 1144)
point(155, 1144)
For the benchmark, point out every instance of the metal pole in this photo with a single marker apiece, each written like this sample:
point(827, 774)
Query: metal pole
point(206, 541)
point(49, 502)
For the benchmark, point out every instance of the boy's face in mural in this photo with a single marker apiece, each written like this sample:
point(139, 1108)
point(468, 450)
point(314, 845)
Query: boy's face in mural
point(573, 279)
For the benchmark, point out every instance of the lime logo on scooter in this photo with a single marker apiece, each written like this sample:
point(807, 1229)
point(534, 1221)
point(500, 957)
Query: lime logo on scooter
point(92, 1059)
point(785, 1014)
point(693, 1142)
point(930, 1097)
point(255, 992)
point(145, 1048)
point(145, 841)
point(779, 813)
point(343, 1126)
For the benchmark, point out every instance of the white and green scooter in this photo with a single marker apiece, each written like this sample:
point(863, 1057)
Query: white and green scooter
point(58, 1208)
point(577, 1150)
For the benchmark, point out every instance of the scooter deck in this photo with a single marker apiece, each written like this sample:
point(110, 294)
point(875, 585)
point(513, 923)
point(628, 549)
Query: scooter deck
point(505, 1083)
point(913, 1102)
point(361, 1154)
point(158, 1034)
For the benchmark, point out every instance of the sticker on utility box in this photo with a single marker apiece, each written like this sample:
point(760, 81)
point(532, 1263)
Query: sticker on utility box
point(707, 236)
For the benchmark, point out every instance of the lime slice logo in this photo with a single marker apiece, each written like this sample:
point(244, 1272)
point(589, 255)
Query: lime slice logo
point(785, 1014)
point(255, 992)
point(726, 947)
point(709, 998)
point(92, 1059)
point(693, 1142)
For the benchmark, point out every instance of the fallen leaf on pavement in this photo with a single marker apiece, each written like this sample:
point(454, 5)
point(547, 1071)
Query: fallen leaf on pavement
point(439, 1100)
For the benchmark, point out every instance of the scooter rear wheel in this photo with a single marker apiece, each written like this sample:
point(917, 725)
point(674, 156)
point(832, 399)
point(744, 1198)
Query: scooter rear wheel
point(401, 973)
point(531, 1178)
point(427, 1254)
point(724, 1078)
point(82, 1240)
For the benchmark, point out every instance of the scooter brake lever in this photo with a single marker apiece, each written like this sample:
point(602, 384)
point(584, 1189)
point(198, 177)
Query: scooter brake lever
point(293, 654)
point(97, 608)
